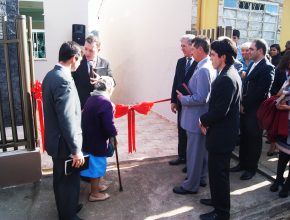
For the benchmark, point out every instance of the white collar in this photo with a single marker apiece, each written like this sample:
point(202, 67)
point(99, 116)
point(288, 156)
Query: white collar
point(66, 69)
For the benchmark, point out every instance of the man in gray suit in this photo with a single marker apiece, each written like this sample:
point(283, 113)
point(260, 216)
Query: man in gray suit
point(63, 134)
point(91, 68)
point(193, 106)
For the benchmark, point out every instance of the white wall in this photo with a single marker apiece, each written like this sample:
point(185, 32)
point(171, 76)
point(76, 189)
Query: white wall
point(59, 15)
point(140, 38)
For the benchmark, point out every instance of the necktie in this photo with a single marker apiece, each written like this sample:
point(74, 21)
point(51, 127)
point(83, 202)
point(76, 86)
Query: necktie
point(91, 65)
point(187, 66)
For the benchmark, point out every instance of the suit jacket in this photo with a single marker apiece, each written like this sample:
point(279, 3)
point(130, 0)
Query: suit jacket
point(62, 114)
point(193, 106)
point(239, 66)
point(279, 78)
point(222, 118)
point(180, 78)
point(256, 86)
point(98, 125)
point(82, 78)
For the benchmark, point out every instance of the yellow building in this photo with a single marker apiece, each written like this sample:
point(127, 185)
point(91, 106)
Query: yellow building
point(255, 19)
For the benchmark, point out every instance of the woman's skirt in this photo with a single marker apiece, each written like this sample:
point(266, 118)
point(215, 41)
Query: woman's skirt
point(97, 167)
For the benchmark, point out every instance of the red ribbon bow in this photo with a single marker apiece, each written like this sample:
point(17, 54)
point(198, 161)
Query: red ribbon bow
point(37, 94)
point(142, 108)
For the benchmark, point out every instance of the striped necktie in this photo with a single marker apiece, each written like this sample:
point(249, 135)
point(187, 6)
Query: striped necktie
point(188, 64)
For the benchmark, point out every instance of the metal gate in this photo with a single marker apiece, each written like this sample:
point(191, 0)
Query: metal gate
point(213, 33)
point(18, 127)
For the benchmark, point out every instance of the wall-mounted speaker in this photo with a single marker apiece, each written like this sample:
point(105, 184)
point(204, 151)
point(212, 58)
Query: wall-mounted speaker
point(79, 33)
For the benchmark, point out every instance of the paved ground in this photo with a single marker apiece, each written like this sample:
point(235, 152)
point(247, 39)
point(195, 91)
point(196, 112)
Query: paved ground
point(147, 182)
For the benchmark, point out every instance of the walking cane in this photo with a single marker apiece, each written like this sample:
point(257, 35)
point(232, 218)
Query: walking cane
point(118, 167)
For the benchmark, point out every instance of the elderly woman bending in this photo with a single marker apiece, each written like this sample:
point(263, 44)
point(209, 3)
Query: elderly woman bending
point(98, 129)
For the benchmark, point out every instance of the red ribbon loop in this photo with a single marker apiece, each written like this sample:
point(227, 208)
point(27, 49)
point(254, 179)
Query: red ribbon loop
point(37, 95)
point(142, 108)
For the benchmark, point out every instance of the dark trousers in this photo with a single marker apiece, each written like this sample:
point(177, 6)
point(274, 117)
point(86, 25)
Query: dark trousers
point(282, 163)
point(182, 138)
point(218, 172)
point(66, 191)
point(250, 142)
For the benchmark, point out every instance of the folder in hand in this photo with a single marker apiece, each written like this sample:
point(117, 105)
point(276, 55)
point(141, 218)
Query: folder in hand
point(69, 169)
point(183, 88)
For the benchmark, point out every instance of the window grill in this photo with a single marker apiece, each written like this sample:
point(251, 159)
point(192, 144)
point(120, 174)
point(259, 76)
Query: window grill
point(254, 19)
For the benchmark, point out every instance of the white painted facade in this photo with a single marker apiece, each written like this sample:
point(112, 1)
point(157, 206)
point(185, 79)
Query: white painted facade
point(140, 38)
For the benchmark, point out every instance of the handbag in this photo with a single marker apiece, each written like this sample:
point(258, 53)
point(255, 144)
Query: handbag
point(111, 147)
point(274, 121)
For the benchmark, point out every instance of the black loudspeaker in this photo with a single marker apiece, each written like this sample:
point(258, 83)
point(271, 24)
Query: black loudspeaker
point(79, 33)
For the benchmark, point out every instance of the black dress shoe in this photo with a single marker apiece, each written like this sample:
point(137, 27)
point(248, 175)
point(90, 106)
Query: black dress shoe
point(283, 193)
point(177, 161)
point(207, 202)
point(213, 216)
point(184, 170)
point(275, 186)
point(247, 175)
point(79, 207)
point(203, 184)
point(180, 190)
point(237, 168)
point(270, 154)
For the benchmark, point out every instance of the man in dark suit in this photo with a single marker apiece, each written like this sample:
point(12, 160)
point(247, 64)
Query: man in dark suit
point(63, 134)
point(256, 89)
point(184, 69)
point(91, 68)
point(221, 126)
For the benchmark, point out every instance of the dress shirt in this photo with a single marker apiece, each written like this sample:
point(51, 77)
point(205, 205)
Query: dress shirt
point(253, 66)
point(66, 69)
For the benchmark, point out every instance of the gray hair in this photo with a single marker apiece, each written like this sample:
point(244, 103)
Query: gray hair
point(188, 37)
point(246, 45)
point(106, 84)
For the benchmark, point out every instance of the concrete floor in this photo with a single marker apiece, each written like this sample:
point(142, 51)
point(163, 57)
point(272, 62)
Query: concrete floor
point(147, 185)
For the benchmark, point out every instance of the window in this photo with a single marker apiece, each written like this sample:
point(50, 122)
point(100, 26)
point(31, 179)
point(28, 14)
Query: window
point(254, 19)
point(34, 9)
point(38, 39)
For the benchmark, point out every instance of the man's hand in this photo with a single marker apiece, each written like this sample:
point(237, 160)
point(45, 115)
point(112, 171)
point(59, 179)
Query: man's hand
point(96, 77)
point(202, 128)
point(173, 107)
point(242, 109)
point(283, 107)
point(78, 160)
point(179, 95)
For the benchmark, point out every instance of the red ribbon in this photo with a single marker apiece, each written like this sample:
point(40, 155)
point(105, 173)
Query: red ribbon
point(37, 94)
point(142, 108)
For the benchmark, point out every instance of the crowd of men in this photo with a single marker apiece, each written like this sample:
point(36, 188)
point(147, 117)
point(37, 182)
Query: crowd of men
point(215, 98)
point(226, 83)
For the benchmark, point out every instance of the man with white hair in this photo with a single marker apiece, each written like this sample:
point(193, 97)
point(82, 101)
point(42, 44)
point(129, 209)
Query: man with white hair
point(184, 70)
point(193, 106)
